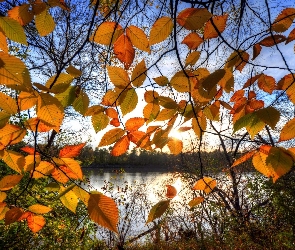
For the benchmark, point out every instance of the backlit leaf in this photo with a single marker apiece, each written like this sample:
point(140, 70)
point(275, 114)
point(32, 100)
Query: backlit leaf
point(165, 114)
point(129, 102)
point(35, 124)
point(74, 71)
point(103, 210)
point(32, 161)
point(210, 30)
point(59, 84)
point(81, 194)
point(288, 131)
point(227, 81)
point(138, 38)
point(151, 111)
point(13, 215)
point(11, 134)
point(124, 50)
point(161, 80)
point(107, 33)
point(13, 30)
point(175, 146)
point(192, 58)
point(135, 123)
point(207, 184)
point(272, 40)
point(283, 20)
point(193, 41)
point(167, 102)
point(160, 30)
point(266, 83)
point(121, 146)
point(3, 43)
point(8, 104)
point(39, 209)
point(212, 80)
point(70, 200)
point(4, 118)
point(13, 159)
point(193, 18)
point(171, 191)
point(35, 222)
point(99, 121)
point(3, 196)
point(81, 103)
point(182, 81)
point(44, 169)
point(158, 210)
point(21, 13)
point(74, 166)
point(256, 50)
point(26, 100)
point(111, 136)
point(291, 36)
point(44, 23)
point(112, 113)
point(71, 151)
point(118, 76)
point(196, 201)
point(9, 181)
point(199, 126)
point(269, 115)
point(67, 97)
point(244, 158)
point(139, 74)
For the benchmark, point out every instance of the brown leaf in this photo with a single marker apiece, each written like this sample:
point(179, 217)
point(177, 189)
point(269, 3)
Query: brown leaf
point(272, 40)
point(219, 23)
point(256, 50)
point(171, 191)
point(193, 18)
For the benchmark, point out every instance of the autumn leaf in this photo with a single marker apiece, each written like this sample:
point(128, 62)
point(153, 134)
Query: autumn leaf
point(129, 102)
point(39, 209)
point(121, 146)
point(14, 160)
point(139, 74)
point(44, 23)
point(111, 136)
point(196, 201)
point(81, 102)
point(193, 18)
point(118, 76)
point(158, 210)
point(219, 23)
point(103, 210)
point(283, 20)
point(21, 13)
point(60, 83)
point(192, 40)
point(43, 169)
point(13, 30)
point(135, 123)
point(9, 181)
point(161, 80)
point(99, 121)
point(207, 184)
point(160, 30)
point(69, 200)
point(35, 222)
point(192, 58)
point(244, 158)
point(272, 40)
point(288, 131)
point(124, 50)
point(171, 191)
point(71, 151)
point(256, 50)
point(8, 104)
point(138, 38)
point(107, 33)
point(13, 215)
point(175, 146)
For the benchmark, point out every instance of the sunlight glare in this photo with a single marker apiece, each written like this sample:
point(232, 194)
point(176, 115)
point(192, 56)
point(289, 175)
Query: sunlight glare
point(177, 184)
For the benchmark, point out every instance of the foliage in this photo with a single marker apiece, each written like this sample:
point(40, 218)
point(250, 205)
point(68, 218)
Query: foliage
point(93, 59)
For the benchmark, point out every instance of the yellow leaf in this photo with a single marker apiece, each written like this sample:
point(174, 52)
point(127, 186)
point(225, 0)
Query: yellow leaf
point(39, 209)
point(207, 184)
point(11, 134)
point(73, 71)
point(81, 194)
point(193, 18)
point(196, 201)
point(107, 33)
point(3, 196)
point(3, 42)
point(121, 146)
point(273, 162)
point(14, 74)
point(35, 222)
point(9, 181)
point(70, 200)
point(99, 121)
point(111, 136)
point(8, 104)
point(182, 81)
point(151, 111)
point(124, 51)
point(288, 131)
point(13, 30)
point(129, 102)
point(283, 20)
point(61, 83)
point(160, 30)
point(138, 38)
point(175, 146)
point(103, 210)
point(50, 111)
point(35, 124)
point(22, 14)
point(81, 103)
point(199, 126)
point(32, 161)
point(165, 114)
point(26, 100)
point(74, 166)
point(44, 169)
point(244, 158)
point(138, 74)
point(158, 210)
point(269, 115)
point(118, 76)
point(13, 159)
point(161, 80)
point(192, 58)
point(193, 41)
point(219, 22)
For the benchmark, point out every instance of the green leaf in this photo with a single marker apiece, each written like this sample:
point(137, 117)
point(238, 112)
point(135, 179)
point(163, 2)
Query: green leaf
point(158, 210)
point(81, 103)
point(67, 97)
point(13, 30)
point(99, 121)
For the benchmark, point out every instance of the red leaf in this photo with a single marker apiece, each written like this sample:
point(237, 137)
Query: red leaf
point(171, 191)
point(124, 51)
point(71, 151)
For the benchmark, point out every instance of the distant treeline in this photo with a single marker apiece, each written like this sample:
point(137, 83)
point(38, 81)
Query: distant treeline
point(156, 160)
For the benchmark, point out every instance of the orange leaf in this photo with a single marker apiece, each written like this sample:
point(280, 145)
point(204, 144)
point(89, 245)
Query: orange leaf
point(138, 38)
point(115, 122)
point(107, 33)
point(9, 181)
point(256, 50)
point(272, 40)
point(219, 23)
point(139, 138)
point(171, 191)
point(39, 209)
point(111, 136)
point(43, 169)
point(29, 150)
point(193, 18)
point(288, 131)
point(36, 222)
point(112, 113)
point(71, 151)
point(251, 81)
point(291, 36)
point(207, 184)
point(124, 51)
point(196, 201)
point(135, 123)
point(22, 14)
point(175, 146)
point(11, 134)
point(24, 216)
point(266, 83)
point(284, 20)
point(13, 215)
point(192, 40)
point(244, 158)
point(121, 146)
point(35, 124)
point(74, 167)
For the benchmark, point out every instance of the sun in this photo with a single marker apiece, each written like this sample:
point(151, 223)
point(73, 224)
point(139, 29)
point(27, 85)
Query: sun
point(176, 134)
